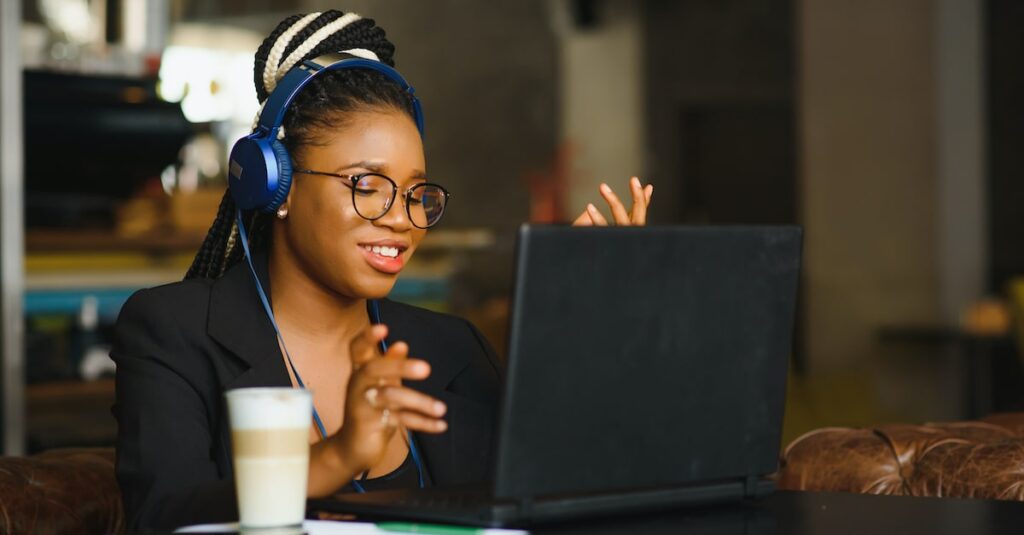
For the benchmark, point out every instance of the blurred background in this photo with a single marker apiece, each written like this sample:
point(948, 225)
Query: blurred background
point(888, 129)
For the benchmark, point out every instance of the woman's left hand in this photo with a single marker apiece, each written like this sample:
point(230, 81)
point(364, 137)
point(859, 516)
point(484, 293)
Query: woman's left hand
point(636, 216)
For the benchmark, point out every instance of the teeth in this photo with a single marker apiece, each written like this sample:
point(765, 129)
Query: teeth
point(390, 252)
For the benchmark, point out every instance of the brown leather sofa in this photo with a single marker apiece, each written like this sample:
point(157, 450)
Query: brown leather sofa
point(71, 491)
point(978, 459)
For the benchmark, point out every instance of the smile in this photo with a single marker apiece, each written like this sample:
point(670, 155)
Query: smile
point(385, 256)
point(390, 252)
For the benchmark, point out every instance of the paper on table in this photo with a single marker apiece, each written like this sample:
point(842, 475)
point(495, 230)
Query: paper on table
point(312, 527)
point(327, 527)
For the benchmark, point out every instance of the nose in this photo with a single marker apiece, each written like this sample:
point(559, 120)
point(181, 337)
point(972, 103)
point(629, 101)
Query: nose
point(397, 216)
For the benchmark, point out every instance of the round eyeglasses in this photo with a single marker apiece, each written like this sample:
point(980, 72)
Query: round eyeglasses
point(374, 193)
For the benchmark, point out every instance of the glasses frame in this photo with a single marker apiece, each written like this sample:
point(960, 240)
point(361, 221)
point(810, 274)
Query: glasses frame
point(352, 180)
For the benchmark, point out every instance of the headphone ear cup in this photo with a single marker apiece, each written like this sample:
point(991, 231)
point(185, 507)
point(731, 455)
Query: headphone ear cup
point(284, 175)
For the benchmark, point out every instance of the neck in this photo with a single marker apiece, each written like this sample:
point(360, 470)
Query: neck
point(309, 310)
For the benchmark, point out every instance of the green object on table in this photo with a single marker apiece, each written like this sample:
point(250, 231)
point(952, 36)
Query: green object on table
point(433, 529)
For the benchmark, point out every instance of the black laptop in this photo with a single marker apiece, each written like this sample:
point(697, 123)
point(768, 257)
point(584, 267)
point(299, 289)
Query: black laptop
point(646, 369)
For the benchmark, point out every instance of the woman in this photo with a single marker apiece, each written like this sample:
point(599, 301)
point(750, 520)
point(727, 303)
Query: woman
point(326, 259)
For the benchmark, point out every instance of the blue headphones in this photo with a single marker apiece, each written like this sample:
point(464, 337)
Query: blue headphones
point(259, 168)
point(260, 175)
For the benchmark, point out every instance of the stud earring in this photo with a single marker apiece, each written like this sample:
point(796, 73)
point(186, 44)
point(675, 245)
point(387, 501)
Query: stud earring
point(282, 212)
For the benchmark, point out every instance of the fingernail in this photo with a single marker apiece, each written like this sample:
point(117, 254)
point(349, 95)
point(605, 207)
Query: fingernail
point(591, 207)
point(605, 188)
point(635, 181)
point(442, 425)
point(439, 408)
point(420, 368)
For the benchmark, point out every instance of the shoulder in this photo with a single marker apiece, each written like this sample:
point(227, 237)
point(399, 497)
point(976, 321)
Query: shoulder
point(163, 316)
point(403, 312)
point(452, 344)
point(186, 294)
point(176, 302)
point(408, 320)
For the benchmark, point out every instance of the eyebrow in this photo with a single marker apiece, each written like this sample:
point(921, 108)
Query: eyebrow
point(379, 167)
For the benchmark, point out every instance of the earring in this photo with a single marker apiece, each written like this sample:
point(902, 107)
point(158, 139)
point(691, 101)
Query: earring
point(282, 212)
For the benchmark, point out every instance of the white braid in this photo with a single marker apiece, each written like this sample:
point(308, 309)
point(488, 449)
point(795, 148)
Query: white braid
point(314, 40)
point(274, 56)
point(362, 53)
point(256, 122)
point(274, 69)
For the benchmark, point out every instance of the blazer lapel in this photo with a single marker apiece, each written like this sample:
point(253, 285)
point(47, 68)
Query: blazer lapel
point(238, 322)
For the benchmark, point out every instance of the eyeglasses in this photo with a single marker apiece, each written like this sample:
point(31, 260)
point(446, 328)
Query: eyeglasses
point(373, 194)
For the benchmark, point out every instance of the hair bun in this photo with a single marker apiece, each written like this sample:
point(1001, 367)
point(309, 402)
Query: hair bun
point(305, 36)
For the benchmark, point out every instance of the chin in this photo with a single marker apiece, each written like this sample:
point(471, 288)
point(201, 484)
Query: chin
point(377, 289)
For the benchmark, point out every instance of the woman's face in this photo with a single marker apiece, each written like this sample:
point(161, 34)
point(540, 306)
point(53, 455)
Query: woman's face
point(332, 243)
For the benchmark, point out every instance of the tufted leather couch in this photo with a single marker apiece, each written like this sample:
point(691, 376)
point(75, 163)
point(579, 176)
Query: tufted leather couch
point(71, 491)
point(978, 459)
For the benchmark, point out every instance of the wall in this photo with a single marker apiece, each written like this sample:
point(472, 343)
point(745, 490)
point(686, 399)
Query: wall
point(602, 99)
point(960, 154)
point(719, 79)
point(867, 131)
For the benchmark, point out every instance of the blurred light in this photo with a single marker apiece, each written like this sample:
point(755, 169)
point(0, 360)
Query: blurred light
point(211, 85)
point(133, 94)
point(208, 70)
point(69, 17)
point(134, 13)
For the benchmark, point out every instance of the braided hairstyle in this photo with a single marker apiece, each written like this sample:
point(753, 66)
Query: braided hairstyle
point(320, 107)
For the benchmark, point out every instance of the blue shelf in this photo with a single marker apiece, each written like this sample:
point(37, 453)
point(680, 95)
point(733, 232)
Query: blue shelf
point(110, 300)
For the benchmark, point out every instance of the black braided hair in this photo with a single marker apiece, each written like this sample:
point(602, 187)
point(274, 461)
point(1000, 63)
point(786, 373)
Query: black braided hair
point(322, 105)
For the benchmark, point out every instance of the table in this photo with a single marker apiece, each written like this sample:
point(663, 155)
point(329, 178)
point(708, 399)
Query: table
point(807, 513)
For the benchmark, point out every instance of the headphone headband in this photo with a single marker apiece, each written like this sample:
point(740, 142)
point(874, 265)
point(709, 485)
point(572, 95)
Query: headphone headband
point(277, 103)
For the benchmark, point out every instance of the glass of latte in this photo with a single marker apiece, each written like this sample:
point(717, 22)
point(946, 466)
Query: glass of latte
point(270, 447)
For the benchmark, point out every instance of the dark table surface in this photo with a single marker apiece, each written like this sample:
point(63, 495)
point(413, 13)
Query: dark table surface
point(800, 513)
point(807, 513)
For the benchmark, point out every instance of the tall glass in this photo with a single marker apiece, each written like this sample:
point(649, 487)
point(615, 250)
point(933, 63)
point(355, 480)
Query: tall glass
point(270, 449)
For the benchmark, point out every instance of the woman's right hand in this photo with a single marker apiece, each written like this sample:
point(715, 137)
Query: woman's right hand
point(377, 404)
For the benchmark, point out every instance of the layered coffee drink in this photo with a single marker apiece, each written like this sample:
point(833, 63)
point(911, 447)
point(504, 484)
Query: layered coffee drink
point(270, 450)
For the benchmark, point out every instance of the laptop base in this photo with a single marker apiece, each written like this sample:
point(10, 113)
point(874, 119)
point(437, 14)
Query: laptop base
point(475, 505)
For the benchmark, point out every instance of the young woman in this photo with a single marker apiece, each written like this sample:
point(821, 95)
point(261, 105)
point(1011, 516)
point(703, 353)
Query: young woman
point(357, 209)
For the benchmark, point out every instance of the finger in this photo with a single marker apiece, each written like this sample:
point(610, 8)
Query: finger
point(583, 220)
point(596, 216)
point(649, 192)
point(382, 372)
point(417, 422)
point(618, 210)
point(407, 399)
point(638, 216)
point(363, 348)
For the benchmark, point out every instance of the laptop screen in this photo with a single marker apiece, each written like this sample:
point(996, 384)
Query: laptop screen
point(646, 357)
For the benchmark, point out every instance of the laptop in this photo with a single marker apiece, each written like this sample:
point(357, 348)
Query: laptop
point(646, 370)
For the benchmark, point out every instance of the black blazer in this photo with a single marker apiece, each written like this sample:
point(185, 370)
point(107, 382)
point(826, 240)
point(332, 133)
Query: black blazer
point(179, 347)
